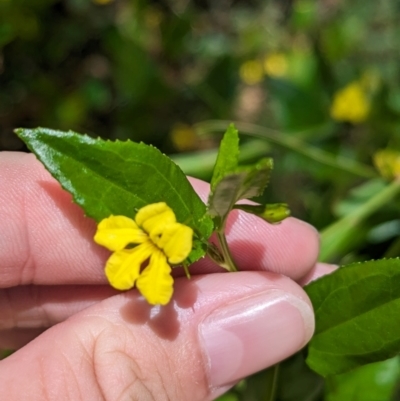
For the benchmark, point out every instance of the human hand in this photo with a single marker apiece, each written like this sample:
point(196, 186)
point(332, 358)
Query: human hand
point(98, 344)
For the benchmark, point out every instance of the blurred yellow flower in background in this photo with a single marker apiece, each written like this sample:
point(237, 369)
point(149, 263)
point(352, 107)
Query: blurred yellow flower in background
point(251, 72)
point(276, 65)
point(387, 162)
point(154, 237)
point(183, 137)
point(351, 104)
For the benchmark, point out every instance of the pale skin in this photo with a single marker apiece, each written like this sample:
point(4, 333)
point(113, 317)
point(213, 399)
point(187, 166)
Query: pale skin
point(78, 339)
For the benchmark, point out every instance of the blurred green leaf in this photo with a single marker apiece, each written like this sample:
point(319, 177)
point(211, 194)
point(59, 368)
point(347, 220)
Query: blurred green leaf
point(297, 382)
point(356, 311)
point(304, 14)
point(340, 37)
point(6, 33)
point(298, 108)
point(358, 196)
point(384, 231)
point(72, 110)
point(228, 397)
point(335, 238)
point(135, 73)
point(373, 382)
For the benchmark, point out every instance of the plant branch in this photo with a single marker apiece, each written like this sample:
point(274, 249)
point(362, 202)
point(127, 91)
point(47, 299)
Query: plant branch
point(230, 264)
point(292, 143)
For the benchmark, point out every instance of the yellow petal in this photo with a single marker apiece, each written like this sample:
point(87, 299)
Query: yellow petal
point(155, 283)
point(123, 267)
point(116, 232)
point(176, 242)
point(155, 217)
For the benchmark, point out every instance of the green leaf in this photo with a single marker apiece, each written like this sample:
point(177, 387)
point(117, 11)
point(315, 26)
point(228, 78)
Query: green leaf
point(225, 195)
point(373, 382)
point(246, 183)
point(272, 213)
point(116, 178)
point(228, 156)
point(257, 178)
point(357, 311)
point(231, 183)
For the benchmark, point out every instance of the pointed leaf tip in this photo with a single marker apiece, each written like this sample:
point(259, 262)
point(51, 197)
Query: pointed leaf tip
point(228, 155)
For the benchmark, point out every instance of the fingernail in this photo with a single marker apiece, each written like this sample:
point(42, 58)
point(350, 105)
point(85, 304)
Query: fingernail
point(251, 334)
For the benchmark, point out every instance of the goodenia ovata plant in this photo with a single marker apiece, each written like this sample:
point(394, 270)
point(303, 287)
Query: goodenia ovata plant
point(146, 209)
point(117, 183)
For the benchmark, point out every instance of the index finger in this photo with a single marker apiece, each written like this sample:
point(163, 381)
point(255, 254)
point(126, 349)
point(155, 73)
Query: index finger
point(45, 238)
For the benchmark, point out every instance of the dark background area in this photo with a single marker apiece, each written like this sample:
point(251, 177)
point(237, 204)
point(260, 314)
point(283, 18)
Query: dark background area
point(141, 69)
point(154, 71)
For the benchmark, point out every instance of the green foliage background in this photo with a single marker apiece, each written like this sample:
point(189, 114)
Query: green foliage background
point(158, 70)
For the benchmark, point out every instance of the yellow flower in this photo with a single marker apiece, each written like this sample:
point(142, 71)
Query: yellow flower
point(183, 136)
point(351, 104)
point(387, 161)
point(276, 65)
point(251, 72)
point(154, 237)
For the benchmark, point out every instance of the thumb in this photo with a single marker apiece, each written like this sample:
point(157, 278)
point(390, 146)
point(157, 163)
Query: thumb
point(218, 329)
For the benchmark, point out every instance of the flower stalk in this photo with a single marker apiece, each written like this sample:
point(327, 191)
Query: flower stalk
point(228, 263)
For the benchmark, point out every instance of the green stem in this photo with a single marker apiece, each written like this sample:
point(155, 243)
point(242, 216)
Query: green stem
point(292, 143)
point(230, 264)
point(272, 382)
point(335, 236)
